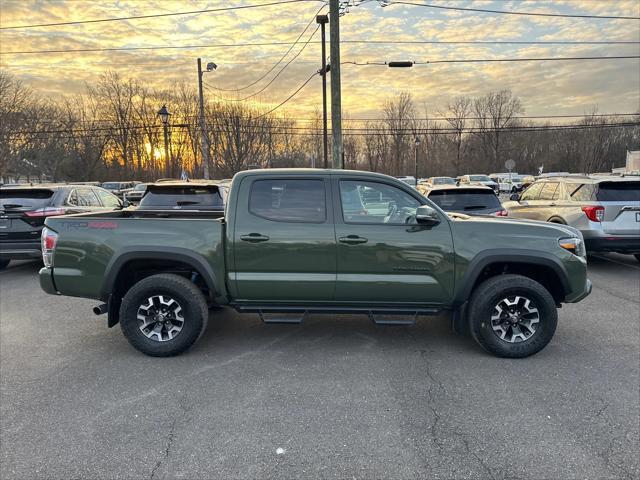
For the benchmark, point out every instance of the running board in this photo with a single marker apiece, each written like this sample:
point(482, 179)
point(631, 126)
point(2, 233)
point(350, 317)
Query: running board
point(378, 315)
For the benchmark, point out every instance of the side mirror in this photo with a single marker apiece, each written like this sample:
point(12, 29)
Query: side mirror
point(515, 197)
point(427, 215)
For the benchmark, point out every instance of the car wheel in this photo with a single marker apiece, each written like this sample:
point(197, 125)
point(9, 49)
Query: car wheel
point(512, 316)
point(4, 264)
point(163, 315)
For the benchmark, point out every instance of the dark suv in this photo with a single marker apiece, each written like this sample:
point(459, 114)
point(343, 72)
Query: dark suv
point(195, 195)
point(23, 209)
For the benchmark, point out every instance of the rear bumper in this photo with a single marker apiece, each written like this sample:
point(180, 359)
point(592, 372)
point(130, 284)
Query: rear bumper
point(20, 250)
point(613, 244)
point(46, 281)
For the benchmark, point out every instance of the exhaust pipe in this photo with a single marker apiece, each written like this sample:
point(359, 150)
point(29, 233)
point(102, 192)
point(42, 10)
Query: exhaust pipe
point(100, 309)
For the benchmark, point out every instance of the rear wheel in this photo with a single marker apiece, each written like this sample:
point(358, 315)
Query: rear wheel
point(163, 315)
point(512, 316)
point(4, 264)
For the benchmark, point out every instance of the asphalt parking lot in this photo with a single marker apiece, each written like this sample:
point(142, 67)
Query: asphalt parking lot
point(335, 397)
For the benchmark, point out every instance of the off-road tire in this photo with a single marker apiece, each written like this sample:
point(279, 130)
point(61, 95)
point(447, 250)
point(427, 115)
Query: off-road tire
point(189, 297)
point(481, 308)
point(4, 264)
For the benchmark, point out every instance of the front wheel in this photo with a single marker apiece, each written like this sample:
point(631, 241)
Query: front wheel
point(512, 316)
point(163, 315)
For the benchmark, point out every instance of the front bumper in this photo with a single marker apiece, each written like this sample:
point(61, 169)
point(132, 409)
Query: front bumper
point(46, 281)
point(584, 294)
point(20, 250)
point(613, 244)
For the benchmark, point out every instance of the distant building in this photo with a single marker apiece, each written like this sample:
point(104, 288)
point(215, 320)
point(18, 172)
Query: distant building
point(632, 163)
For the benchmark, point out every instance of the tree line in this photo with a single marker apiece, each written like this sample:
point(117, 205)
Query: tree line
point(112, 132)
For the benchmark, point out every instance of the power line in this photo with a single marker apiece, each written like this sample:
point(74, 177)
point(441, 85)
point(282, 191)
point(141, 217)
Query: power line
point(289, 97)
point(505, 12)
point(156, 15)
point(306, 130)
point(352, 42)
point(273, 79)
point(487, 60)
point(278, 62)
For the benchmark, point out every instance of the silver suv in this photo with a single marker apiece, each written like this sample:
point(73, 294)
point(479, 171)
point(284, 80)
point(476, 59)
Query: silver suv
point(605, 209)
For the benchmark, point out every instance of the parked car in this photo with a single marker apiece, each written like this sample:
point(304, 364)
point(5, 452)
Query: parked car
point(23, 210)
point(408, 179)
point(471, 200)
point(135, 194)
point(479, 180)
point(433, 181)
point(606, 210)
point(202, 195)
point(119, 188)
point(507, 182)
point(287, 244)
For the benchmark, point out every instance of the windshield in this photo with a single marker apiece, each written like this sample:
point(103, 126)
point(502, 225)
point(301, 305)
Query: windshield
point(479, 178)
point(443, 181)
point(140, 187)
point(199, 197)
point(111, 186)
point(619, 192)
point(466, 200)
point(24, 198)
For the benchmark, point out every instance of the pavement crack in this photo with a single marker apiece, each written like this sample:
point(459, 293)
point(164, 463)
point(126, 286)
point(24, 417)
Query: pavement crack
point(170, 437)
point(479, 459)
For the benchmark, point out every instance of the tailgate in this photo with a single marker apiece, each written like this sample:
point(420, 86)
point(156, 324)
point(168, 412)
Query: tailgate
point(22, 212)
point(621, 202)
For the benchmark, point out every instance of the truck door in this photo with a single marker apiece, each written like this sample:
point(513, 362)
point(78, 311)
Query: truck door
point(384, 256)
point(284, 240)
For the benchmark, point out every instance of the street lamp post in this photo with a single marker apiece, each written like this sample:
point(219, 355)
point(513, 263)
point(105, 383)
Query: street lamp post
point(416, 162)
point(323, 20)
point(164, 115)
point(203, 125)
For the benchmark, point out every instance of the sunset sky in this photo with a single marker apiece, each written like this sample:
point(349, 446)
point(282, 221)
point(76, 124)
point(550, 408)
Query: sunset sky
point(571, 87)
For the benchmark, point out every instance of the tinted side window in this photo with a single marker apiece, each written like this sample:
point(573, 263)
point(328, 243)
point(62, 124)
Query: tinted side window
point(548, 192)
point(373, 202)
point(582, 193)
point(289, 200)
point(108, 200)
point(532, 192)
point(86, 198)
point(619, 192)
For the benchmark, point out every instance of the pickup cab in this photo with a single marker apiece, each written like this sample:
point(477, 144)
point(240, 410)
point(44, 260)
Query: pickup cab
point(304, 241)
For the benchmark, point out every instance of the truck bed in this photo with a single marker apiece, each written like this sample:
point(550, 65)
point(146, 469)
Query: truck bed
point(90, 246)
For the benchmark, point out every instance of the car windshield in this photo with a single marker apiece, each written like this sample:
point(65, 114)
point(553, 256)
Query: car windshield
point(140, 187)
point(111, 186)
point(466, 200)
point(479, 178)
point(200, 197)
point(443, 181)
point(619, 192)
point(19, 198)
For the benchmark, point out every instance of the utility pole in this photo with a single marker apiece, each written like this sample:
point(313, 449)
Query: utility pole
point(336, 103)
point(204, 144)
point(323, 20)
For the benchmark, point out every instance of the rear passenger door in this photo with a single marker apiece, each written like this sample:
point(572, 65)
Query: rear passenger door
point(284, 246)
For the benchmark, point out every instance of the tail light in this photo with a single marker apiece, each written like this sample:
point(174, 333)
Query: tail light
point(48, 239)
point(502, 213)
point(45, 212)
point(595, 214)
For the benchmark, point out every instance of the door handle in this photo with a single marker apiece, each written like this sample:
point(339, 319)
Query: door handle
point(254, 238)
point(352, 240)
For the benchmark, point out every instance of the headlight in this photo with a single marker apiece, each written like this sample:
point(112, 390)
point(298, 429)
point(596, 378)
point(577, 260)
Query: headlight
point(574, 245)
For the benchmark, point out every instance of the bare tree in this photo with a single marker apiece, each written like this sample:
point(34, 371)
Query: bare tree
point(457, 117)
point(399, 115)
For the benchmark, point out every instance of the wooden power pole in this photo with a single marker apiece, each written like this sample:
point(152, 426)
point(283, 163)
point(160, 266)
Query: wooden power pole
point(336, 103)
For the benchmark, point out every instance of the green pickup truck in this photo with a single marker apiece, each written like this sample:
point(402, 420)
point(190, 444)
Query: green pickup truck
point(300, 241)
